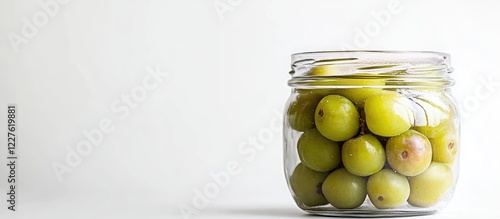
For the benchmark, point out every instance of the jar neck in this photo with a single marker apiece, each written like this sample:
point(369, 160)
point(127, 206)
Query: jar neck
point(394, 68)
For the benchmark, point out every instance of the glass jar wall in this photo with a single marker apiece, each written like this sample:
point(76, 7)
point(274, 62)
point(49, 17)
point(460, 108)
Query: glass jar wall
point(371, 133)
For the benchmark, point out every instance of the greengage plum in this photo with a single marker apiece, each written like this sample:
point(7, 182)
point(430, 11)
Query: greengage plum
point(317, 152)
point(388, 113)
point(363, 155)
point(337, 118)
point(388, 189)
point(409, 153)
point(306, 186)
point(427, 188)
point(344, 190)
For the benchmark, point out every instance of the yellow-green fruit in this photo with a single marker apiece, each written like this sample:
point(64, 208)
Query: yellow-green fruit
point(359, 95)
point(323, 70)
point(344, 190)
point(336, 118)
point(317, 152)
point(434, 112)
point(429, 187)
point(430, 131)
point(388, 113)
point(306, 186)
point(409, 153)
point(363, 155)
point(301, 110)
point(387, 189)
point(445, 146)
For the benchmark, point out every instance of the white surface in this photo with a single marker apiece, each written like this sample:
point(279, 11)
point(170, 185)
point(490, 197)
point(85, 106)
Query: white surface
point(226, 81)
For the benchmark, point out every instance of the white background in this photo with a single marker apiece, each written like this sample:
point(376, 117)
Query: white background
point(226, 84)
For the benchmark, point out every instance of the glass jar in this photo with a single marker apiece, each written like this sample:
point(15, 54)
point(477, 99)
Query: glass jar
point(371, 133)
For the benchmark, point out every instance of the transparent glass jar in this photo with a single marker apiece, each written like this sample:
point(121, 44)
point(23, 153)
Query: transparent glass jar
point(371, 133)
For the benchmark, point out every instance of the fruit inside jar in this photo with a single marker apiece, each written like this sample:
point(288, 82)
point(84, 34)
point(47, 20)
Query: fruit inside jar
point(373, 143)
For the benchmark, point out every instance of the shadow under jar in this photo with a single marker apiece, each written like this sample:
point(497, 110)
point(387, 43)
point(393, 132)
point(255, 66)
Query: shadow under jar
point(371, 133)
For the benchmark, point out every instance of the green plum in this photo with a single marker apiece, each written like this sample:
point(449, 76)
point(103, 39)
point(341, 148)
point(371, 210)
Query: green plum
point(362, 91)
point(388, 189)
point(363, 155)
point(337, 118)
point(306, 186)
point(429, 187)
point(344, 190)
point(388, 113)
point(434, 112)
point(301, 110)
point(317, 152)
point(409, 153)
point(445, 145)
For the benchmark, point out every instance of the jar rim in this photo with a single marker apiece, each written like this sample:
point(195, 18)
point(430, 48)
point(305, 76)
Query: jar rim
point(414, 67)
